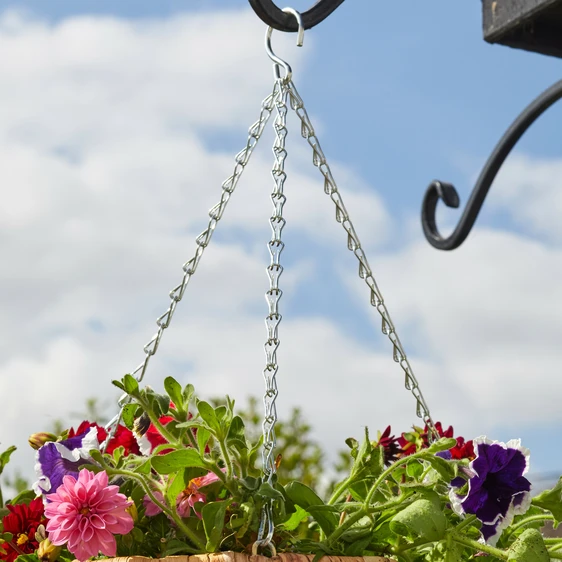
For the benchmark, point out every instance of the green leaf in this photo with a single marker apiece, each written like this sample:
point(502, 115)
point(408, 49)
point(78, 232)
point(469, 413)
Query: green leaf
point(202, 440)
point(175, 486)
point(144, 468)
point(173, 388)
point(306, 498)
point(5, 457)
point(423, 519)
point(207, 413)
point(23, 497)
point(446, 551)
point(128, 415)
point(187, 393)
point(443, 444)
point(131, 385)
point(213, 522)
point(119, 385)
point(551, 500)
point(236, 430)
point(266, 490)
point(28, 558)
point(176, 460)
point(445, 468)
point(296, 518)
point(175, 546)
point(529, 547)
point(414, 470)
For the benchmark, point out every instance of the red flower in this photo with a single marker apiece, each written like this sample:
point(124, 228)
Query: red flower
point(390, 445)
point(463, 449)
point(123, 437)
point(419, 439)
point(22, 522)
point(83, 428)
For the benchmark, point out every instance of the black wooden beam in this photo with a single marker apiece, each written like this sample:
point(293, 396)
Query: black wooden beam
point(532, 25)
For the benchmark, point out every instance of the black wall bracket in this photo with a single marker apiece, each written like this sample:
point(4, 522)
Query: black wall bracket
point(532, 25)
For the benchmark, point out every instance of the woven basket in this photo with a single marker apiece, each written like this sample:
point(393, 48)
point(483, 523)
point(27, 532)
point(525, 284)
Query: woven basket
point(241, 557)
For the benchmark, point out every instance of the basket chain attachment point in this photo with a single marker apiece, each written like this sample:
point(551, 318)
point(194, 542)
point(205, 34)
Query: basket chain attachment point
point(273, 318)
point(286, 89)
point(202, 241)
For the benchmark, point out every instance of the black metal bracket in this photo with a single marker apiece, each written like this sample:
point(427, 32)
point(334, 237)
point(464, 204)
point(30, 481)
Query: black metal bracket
point(533, 25)
point(447, 192)
point(273, 16)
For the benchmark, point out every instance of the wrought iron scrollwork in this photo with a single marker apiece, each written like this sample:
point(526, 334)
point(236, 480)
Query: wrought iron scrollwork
point(446, 192)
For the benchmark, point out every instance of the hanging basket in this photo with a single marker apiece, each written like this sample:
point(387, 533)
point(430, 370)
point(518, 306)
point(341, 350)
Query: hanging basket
point(199, 476)
point(241, 557)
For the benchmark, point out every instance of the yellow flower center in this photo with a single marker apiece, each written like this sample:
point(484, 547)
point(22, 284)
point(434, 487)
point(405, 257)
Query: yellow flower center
point(85, 510)
point(22, 539)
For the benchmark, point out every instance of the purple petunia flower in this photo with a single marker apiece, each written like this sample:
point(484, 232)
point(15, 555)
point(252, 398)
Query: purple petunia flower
point(497, 490)
point(54, 460)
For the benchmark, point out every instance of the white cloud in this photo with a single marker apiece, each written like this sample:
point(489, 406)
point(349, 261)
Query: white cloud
point(108, 170)
point(531, 190)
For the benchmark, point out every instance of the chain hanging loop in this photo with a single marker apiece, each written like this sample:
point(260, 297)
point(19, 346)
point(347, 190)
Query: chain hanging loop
point(274, 271)
point(365, 271)
point(202, 241)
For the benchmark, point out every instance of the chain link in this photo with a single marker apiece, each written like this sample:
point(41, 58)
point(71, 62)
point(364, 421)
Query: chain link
point(272, 320)
point(202, 241)
point(354, 245)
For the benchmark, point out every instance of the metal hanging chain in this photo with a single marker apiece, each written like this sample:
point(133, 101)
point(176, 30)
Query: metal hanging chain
point(272, 320)
point(365, 272)
point(202, 241)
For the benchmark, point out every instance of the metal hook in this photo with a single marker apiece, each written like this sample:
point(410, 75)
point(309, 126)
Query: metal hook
point(448, 194)
point(278, 61)
point(274, 17)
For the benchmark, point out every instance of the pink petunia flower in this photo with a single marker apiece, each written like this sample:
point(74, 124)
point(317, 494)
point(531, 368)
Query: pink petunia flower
point(150, 508)
point(86, 513)
point(187, 499)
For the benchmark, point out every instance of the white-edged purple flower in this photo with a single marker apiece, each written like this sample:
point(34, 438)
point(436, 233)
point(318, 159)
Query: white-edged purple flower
point(497, 488)
point(54, 460)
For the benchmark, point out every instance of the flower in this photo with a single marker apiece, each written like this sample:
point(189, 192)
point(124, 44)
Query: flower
point(22, 522)
point(123, 437)
point(187, 499)
point(55, 460)
point(86, 513)
point(497, 489)
point(390, 445)
point(150, 508)
point(147, 435)
point(419, 439)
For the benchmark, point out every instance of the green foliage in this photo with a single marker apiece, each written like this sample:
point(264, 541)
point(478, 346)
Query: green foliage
point(551, 500)
point(529, 547)
point(207, 480)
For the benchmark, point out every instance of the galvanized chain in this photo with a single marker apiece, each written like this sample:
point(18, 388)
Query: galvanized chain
point(365, 272)
point(202, 241)
point(273, 318)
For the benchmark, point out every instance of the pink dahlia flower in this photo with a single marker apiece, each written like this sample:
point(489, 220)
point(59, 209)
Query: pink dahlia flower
point(86, 513)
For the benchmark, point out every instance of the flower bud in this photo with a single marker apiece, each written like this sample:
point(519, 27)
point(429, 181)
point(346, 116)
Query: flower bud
point(37, 440)
point(47, 551)
point(132, 511)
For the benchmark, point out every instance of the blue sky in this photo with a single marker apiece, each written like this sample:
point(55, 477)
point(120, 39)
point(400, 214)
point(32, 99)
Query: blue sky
point(400, 97)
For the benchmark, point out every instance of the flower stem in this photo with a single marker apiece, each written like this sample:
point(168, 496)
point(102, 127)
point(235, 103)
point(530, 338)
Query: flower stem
point(226, 458)
point(389, 471)
point(340, 490)
point(348, 523)
point(159, 426)
point(480, 546)
point(169, 512)
point(466, 523)
point(531, 519)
